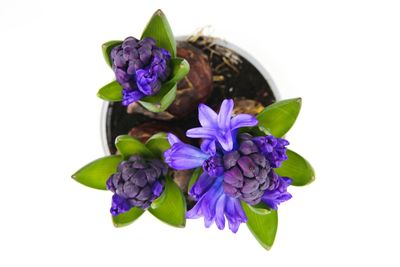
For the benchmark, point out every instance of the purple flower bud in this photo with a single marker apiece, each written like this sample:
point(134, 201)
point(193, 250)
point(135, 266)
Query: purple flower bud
point(230, 159)
point(234, 177)
point(140, 67)
point(273, 148)
point(248, 147)
point(137, 182)
point(148, 82)
point(119, 205)
point(247, 172)
point(248, 167)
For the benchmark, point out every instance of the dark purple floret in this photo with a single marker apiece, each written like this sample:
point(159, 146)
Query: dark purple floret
point(214, 166)
point(140, 67)
point(247, 172)
point(119, 205)
point(273, 148)
point(277, 194)
point(136, 183)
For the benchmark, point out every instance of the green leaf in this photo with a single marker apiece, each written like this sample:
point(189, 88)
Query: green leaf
point(107, 47)
point(179, 69)
point(158, 28)
point(279, 117)
point(263, 227)
point(161, 101)
point(111, 92)
point(96, 173)
point(127, 218)
point(173, 208)
point(128, 146)
point(195, 176)
point(297, 168)
point(260, 208)
point(158, 143)
point(158, 201)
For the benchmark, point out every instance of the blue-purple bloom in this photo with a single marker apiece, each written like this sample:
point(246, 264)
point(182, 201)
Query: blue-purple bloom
point(221, 127)
point(140, 67)
point(236, 167)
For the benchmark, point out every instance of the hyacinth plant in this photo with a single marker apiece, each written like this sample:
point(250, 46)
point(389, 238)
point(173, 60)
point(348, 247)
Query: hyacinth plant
point(243, 168)
point(146, 70)
point(139, 180)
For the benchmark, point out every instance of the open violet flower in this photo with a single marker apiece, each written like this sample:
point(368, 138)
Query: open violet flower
point(220, 127)
point(236, 167)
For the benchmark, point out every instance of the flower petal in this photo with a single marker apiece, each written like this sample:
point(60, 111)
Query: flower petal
point(219, 212)
point(208, 146)
point(172, 139)
point(243, 120)
point(207, 116)
point(201, 186)
point(183, 157)
point(225, 114)
point(234, 213)
point(226, 141)
point(209, 202)
point(202, 132)
point(275, 197)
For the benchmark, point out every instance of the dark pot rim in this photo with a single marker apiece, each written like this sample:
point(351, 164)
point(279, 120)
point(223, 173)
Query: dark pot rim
point(235, 48)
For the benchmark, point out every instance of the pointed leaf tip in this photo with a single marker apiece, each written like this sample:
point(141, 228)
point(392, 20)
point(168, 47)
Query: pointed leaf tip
point(280, 116)
point(262, 226)
point(96, 173)
point(296, 168)
point(159, 29)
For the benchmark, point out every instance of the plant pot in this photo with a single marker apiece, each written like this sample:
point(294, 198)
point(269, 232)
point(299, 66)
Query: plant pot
point(247, 82)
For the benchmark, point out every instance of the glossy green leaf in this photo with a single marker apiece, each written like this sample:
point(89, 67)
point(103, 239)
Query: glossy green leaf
point(111, 92)
point(173, 208)
point(297, 168)
point(195, 176)
point(96, 173)
point(158, 28)
point(157, 144)
point(161, 101)
point(279, 117)
point(107, 47)
point(127, 218)
point(263, 227)
point(128, 146)
point(260, 208)
point(158, 201)
point(179, 69)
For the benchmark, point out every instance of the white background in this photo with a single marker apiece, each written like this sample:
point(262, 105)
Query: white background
point(341, 57)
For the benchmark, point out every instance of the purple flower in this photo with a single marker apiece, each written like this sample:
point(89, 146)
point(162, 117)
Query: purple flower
point(147, 81)
point(119, 205)
point(235, 167)
point(137, 183)
point(140, 67)
point(214, 206)
point(182, 156)
point(279, 194)
point(220, 127)
point(273, 148)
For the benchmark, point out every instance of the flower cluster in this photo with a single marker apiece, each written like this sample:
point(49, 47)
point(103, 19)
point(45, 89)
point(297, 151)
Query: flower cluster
point(140, 67)
point(236, 167)
point(136, 184)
